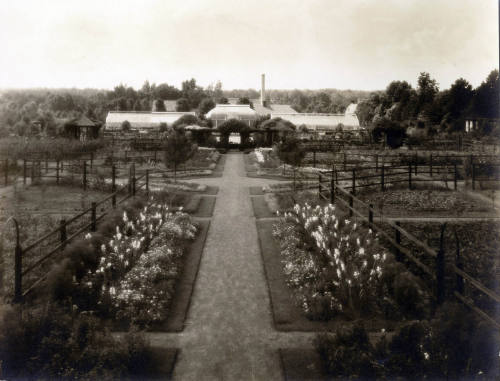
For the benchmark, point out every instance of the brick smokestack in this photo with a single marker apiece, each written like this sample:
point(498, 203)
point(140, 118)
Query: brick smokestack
point(263, 90)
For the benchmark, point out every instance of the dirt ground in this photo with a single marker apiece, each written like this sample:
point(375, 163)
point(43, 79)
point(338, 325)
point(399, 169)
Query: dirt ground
point(46, 199)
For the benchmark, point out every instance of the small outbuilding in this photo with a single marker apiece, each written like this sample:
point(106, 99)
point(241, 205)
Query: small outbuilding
point(82, 128)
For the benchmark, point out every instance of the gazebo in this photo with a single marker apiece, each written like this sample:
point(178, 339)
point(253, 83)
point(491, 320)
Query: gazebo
point(275, 128)
point(82, 128)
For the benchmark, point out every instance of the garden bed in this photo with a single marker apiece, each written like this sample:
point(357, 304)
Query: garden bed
point(324, 269)
point(185, 284)
point(287, 315)
point(426, 202)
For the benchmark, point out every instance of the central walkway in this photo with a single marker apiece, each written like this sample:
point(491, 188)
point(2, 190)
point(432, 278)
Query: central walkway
point(229, 333)
point(230, 311)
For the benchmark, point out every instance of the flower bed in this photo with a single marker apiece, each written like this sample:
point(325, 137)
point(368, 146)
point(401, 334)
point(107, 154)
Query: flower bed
point(335, 266)
point(128, 269)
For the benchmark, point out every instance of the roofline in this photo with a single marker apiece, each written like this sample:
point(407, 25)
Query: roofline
point(231, 105)
point(305, 114)
point(153, 112)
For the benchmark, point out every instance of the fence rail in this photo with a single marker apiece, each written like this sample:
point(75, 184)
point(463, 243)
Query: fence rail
point(330, 191)
point(60, 233)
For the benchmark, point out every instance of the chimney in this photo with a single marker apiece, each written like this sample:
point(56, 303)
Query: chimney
point(263, 90)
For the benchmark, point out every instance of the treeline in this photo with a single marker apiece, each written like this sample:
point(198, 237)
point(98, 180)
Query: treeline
point(51, 108)
point(399, 106)
point(427, 110)
point(331, 101)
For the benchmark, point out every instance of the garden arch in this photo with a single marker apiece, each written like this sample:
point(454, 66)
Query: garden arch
point(234, 126)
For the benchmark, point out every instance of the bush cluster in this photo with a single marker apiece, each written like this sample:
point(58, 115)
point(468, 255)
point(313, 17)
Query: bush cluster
point(337, 266)
point(132, 261)
point(51, 343)
point(453, 345)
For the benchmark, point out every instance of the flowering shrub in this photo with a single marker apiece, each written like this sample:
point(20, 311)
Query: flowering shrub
point(259, 156)
point(334, 265)
point(138, 266)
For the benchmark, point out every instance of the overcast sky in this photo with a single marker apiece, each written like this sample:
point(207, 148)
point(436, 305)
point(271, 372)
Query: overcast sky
point(345, 44)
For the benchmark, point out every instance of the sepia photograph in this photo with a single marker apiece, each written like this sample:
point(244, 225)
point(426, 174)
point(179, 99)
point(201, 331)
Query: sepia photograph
point(236, 190)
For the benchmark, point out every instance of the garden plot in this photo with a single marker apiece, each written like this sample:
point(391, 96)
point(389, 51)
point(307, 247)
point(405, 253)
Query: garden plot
point(427, 202)
point(48, 199)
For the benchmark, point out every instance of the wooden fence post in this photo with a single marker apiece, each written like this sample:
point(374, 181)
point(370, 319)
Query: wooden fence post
point(113, 178)
point(376, 163)
point(18, 267)
point(440, 286)
point(455, 176)
point(57, 172)
point(351, 205)
point(459, 264)
point(398, 241)
point(430, 165)
point(24, 171)
point(147, 181)
point(46, 162)
point(84, 180)
point(314, 159)
point(134, 181)
point(91, 160)
point(370, 214)
point(409, 176)
point(353, 181)
point(93, 217)
point(332, 190)
point(6, 171)
point(416, 162)
point(62, 232)
point(113, 186)
point(345, 161)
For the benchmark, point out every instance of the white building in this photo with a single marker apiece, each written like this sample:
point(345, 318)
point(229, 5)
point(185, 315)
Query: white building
point(324, 122)
point(142, 120)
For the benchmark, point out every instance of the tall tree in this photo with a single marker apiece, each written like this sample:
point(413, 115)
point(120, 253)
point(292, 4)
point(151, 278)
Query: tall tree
point(183, 105)
point(160, 106)
point(178, 149)
point(205, 106)
point(459, 97)
point(486, 103)
point(426, 90)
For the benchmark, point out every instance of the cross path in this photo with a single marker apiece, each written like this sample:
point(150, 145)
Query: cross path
point(229, 333)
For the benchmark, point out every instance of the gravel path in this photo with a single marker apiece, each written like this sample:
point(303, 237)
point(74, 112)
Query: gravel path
point(229, 333)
